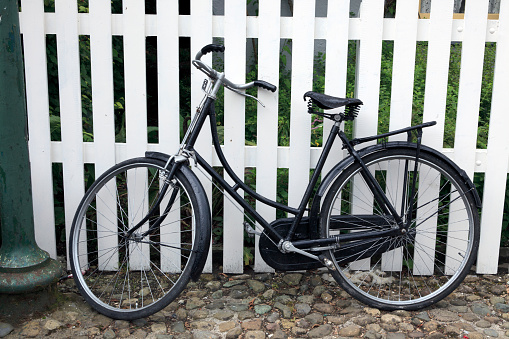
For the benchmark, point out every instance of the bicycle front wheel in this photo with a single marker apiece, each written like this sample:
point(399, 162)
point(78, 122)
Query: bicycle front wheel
point(128, 276)
point(424, 263)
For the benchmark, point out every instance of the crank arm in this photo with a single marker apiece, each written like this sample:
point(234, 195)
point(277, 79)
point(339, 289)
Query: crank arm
point(324, 248)
point(251, 232)
point(288, 247)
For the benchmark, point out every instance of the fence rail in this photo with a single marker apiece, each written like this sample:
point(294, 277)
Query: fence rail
point(269, 27)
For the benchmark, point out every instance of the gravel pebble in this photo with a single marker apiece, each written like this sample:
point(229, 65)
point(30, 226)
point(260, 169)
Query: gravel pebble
point(299, 305)
point(5, 329)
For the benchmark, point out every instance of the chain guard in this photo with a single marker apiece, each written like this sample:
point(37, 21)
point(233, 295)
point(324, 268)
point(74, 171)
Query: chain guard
point(349, 251)
point(287, 261)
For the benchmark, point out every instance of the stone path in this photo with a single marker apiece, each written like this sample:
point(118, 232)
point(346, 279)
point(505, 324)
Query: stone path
point(294, 305)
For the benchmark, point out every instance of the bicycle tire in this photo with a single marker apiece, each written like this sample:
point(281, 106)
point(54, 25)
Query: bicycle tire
point(411, 270)
point(133, 277)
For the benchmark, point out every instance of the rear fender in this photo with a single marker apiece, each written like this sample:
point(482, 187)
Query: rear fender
point(342, 165)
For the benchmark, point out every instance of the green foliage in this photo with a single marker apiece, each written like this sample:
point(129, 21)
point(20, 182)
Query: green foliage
point(485, 100)
point(282, 190)
point(217, 212)
point(49, 5)
point(421, 53)
point(419, 89)
point(384, 104)
point(409, 264)
point(486, 94)
point(505, 219)
point(390, 8)
point(86, 88)
point(318, 86)
point(58, 196)
point(248, 256)
point(284, 90)
point(52, 69)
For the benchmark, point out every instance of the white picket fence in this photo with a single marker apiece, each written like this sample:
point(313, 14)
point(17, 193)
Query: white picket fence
point(269, 27)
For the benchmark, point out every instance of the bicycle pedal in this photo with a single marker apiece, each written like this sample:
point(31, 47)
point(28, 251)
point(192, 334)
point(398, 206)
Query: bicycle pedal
point(327, 262)
point(251, 232)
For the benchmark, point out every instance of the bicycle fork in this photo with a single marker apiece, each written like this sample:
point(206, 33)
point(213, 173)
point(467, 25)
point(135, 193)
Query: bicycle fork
point(167, 175)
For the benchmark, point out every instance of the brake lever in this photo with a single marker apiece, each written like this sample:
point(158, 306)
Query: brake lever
point(246, 95)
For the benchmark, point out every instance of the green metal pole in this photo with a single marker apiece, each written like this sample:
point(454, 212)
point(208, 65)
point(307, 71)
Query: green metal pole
point(23, 265)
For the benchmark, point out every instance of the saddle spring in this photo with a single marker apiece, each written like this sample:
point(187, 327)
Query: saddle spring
point(350, 113)
point(311, 107)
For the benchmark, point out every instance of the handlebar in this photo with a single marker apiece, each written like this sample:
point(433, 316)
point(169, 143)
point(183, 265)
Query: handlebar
point(213, 74)
point(264, 84)
point(209, 48)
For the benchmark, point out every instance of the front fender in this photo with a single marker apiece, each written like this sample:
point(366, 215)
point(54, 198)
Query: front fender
point(204, 224)
point(157, 155)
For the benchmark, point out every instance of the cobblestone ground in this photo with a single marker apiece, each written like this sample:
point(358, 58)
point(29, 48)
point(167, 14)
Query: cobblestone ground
point(292, 305)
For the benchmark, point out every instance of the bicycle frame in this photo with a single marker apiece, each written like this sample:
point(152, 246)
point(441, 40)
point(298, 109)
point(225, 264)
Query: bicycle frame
point(187, 149)
point(284, 242)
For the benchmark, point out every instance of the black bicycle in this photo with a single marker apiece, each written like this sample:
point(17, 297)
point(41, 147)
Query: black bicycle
point(395, 223)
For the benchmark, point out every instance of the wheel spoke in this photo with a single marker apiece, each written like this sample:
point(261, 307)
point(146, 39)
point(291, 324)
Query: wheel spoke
point(415, 267)
point(127, 274)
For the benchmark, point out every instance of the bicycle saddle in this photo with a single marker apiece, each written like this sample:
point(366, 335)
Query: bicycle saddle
point(325, 101)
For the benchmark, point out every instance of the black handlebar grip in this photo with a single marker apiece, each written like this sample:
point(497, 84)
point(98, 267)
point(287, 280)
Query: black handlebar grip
point(212, 48)
point(266, 85)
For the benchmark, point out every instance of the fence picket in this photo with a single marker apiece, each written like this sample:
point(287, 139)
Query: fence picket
point(234, 133)
point(101, 63)
point(439, 48)
point(472, 58)
point(169, 115)
point(472, 55)
point(201, 29)
point(70, 107)
point(267, 118)
point(498, 154)
point(336, 62)
point(403, 66)
point(367, 85)
point(168, 75)
point(401, 104)
point(34, 41)
point(135, 78)
point(136, 110)
point(302, 81)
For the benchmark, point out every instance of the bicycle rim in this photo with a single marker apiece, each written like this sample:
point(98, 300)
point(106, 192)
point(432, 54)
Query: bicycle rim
point(416, 268)
point(128, 277)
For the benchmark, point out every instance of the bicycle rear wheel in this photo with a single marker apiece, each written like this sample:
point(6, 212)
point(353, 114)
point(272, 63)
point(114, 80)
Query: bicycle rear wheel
point(128, 277)
point(413, 269)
